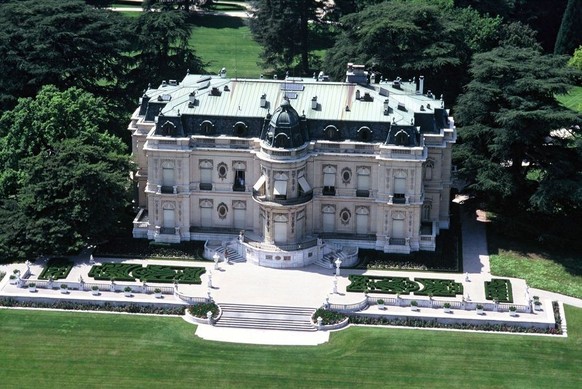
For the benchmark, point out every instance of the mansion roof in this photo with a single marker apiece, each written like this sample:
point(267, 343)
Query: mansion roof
point(390, 112)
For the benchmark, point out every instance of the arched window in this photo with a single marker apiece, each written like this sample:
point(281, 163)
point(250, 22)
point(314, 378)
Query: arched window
point(402, 138)
point(428, 167)
point(206, 128)
point(169, 129)
point(331, 133)
point(364, 134)
point(240, 129)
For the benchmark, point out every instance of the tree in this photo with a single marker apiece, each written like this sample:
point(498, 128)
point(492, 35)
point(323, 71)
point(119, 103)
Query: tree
point(61, 42)
point(576, 60)
point(72, 195)
point(162, 47)
point(36, 124)
point(405, 39)
point(570, 33)
point(508, 148)
point(281, 27)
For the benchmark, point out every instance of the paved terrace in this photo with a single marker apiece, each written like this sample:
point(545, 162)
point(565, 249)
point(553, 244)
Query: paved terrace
point(244, 283)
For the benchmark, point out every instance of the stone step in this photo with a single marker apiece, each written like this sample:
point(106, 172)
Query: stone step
point(233, 256)
point(268, 317)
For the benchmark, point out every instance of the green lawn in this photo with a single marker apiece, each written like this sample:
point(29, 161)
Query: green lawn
point(224, 41)
point(541, 268)
point(573, 100)
point(56, 349)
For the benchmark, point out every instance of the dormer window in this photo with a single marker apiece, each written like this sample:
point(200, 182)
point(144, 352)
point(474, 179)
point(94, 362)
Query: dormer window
point(239, 129)
point(331, 133)
point(402, 138)
point(206, 128)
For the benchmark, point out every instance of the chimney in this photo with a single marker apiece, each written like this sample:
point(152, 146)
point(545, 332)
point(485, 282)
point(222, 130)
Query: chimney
point(420, 85)
point(386, 107)
point(264, 100)
point(314, 103)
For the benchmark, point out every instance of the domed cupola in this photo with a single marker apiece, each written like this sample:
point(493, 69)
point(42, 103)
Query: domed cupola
point(285, 128)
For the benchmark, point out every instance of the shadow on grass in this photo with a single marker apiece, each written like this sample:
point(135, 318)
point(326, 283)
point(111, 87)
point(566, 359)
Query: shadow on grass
point(216, 21)
point(530, 249)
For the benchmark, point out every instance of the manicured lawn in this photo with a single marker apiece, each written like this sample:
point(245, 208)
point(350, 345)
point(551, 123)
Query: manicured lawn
point(56, 349)
point(573, 100)
point(541, 268)
point(225, 41)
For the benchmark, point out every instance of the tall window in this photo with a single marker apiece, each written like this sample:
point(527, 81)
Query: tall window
point(205, 175)
point(239, 181)
point(400, 187)
point(363, 188)
point(168, 179)
point(428, 168)
point(329, 180)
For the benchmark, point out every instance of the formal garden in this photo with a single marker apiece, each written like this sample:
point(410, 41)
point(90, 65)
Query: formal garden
point(149, 273)
point(404, 285)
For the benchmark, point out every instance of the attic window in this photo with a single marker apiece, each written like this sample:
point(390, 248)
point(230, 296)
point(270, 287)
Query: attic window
point(401, 107)
point(239, 129)
point(206, 128)
point(173, 82)
point(364, 134)
point(401, 138)
point(165, 97)
point(331, 133)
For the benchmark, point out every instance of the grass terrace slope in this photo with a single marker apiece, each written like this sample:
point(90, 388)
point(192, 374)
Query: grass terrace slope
point(61, 349)
point(225, 41)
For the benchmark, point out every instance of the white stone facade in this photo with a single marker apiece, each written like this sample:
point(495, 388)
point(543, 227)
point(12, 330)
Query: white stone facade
point(291, 163)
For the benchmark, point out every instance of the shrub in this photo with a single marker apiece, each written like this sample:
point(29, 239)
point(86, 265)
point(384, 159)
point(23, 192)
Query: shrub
point(446, 305)
point(537, 302)
point(56, 268)
point(32, 285)
point(127, 289)
point(328, 317)
point(200, 310)
point(414, 303)
point(512, 308)
point(64, 286)
point(94, 287)
point(380, 301)
point(12, 277)
point(157, 290)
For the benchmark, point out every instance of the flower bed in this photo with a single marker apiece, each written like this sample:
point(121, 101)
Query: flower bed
point(75, 306)
point(56, 268)
point(150, 273)
point(499, 289)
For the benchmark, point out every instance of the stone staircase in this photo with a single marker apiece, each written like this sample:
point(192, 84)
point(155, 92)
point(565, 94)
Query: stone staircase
point(233, 256)
point(266, 317)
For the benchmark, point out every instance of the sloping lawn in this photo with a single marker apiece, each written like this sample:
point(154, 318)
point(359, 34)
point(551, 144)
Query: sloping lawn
point(572, 100)
point(540, 267)
point(225, 41)
point(62, 349)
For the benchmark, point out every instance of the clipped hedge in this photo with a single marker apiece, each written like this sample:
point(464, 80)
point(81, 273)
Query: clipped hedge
point(499, 289)
point(149, 273)
point(438, 287)
point(394, 285)
point(57, 268)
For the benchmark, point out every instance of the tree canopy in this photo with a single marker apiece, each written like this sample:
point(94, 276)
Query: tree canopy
point(162, 47)
point(36, 124)
point(509, 148)
point(406, 39)
point(570, 33)
point(281, 27)
point(71, 195)
point(64, 179)
point(60, 42)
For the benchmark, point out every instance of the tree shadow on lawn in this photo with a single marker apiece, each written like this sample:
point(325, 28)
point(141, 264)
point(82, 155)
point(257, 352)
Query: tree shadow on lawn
point(530, 249)
point(216, 21)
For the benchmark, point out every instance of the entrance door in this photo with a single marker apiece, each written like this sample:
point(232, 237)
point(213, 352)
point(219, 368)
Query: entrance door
point(280, 232)
point(398, 229)
point(239, 218)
